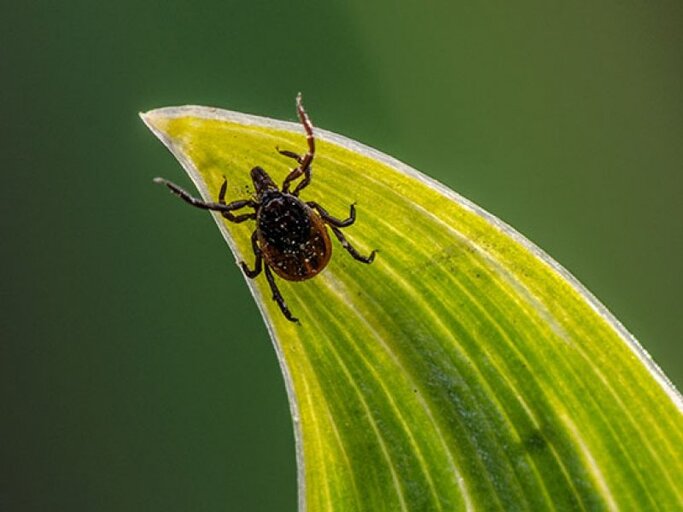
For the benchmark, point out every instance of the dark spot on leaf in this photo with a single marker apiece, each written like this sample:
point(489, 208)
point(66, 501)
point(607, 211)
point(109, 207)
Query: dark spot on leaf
point(535, 442)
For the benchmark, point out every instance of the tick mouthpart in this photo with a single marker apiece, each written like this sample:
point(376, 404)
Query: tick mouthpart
point(262, 181)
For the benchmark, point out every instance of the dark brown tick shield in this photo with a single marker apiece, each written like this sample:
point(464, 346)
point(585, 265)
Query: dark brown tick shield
point(293, 238)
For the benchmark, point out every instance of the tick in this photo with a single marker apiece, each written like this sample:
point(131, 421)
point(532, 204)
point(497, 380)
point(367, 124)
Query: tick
point(291, 237)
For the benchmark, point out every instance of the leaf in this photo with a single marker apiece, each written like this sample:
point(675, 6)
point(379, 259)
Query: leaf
point(463, 369)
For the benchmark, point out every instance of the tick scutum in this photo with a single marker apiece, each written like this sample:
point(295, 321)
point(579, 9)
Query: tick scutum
point(283, 221)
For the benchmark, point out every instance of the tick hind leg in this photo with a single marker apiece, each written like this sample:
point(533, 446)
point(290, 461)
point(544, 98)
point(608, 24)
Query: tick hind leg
point(258, 262)
point(277, 296)
point(258, 266)
point(304, 161)
point(350, 248)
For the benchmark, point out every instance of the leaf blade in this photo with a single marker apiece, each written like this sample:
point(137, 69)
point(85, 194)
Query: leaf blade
point(449, 374)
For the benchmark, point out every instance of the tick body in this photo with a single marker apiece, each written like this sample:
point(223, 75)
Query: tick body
point(291, 237)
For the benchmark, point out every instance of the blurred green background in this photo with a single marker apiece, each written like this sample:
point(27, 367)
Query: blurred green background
point(136, 373)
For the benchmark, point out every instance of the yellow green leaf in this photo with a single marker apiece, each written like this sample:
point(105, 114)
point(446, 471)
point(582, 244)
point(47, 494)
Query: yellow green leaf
point(463, 369)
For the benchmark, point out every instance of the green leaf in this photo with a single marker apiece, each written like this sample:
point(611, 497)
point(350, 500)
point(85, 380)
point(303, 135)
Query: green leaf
point(463, 369)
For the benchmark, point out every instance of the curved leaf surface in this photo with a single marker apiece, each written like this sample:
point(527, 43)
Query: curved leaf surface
point(463, 369)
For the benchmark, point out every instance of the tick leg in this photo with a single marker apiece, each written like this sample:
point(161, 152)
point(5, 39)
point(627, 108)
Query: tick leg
point(221, 192)
point(204, 205)
point(304, 161)
point(352, 250)
point(303, 183)
point(258, 263)
point(307, 174)
point(333, 220)
point(277, 296)
point(232, 218)
point(290, 154)
point(238, 218)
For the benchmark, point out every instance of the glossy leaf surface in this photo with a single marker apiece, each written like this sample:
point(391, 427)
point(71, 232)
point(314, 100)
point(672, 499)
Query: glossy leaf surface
point(463, 369)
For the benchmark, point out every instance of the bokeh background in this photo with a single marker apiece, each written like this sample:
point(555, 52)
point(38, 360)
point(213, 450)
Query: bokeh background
point(135, 371)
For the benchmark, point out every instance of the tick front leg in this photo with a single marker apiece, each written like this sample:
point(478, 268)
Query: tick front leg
point(333, 220)
point(237, 204)
point(205, 205)
point(289, 154)
point(352, 250)
point(258, 263)
point(277, 296)
point(238, 218)
point(304, 161)
point(307, 173)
